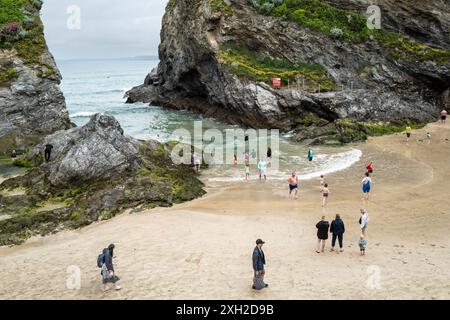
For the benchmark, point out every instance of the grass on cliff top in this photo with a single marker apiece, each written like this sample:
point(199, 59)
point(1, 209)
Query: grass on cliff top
point(347, 26)
point(256, 67)
point(30, 43)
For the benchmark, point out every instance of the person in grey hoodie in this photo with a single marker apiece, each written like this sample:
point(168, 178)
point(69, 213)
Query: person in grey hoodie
point(337, 229)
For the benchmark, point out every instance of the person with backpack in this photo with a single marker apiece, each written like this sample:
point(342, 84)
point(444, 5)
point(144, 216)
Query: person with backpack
point(105, 262)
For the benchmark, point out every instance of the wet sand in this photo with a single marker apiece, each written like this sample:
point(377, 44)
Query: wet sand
point(202, 249)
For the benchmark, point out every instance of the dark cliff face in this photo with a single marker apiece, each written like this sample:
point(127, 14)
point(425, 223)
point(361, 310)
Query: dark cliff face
point(31, 102)
point(218, 59)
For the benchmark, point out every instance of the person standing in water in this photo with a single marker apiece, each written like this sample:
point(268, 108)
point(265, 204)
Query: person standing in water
point(259, 261)
point(337, 229)
point(408, 131)
point(322, 234)
point(197, 162)
point(108, 273)
point(253, 154)
point(310, 155)
point(366, 186)
point(444, 115)
point(247, 171)
point(269, 156)
point(262, 167)
point(293, 185)
point(325, 195)
point(48, 151)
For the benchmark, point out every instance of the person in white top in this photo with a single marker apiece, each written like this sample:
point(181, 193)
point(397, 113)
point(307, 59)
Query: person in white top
point(364, 222)
point(444, 115)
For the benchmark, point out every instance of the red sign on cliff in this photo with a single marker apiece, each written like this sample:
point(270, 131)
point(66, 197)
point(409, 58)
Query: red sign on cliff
point(276, 82)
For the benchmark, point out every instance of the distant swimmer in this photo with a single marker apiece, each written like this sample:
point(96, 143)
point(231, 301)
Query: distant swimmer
point(247, 171)
point(262, 167)
point(444, 115)
point(293, 185)
point(322, 234)
point(366, 186)
point(310, 155)
point(48, 151)
point(325, 195)
point(408, 131)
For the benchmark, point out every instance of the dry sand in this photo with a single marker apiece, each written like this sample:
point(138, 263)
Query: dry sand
point(202, 249)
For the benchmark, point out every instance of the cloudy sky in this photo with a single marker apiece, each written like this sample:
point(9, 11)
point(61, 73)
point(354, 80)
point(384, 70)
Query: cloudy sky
point(82, 29)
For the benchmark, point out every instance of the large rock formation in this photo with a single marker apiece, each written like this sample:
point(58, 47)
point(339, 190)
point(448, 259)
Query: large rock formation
point(31, 103)
point(95, 172)
point(217, 58)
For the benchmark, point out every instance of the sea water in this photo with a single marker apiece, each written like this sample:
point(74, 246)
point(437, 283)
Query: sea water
point(92, 86)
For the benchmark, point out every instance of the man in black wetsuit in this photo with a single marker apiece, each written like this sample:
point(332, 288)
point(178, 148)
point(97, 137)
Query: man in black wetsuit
point(48, 151)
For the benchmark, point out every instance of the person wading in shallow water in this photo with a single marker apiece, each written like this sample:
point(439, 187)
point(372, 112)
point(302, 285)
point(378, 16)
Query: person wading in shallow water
point(259, 260)
point(48, 151)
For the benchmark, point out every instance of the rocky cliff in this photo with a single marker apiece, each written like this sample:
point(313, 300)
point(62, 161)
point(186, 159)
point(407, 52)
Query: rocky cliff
point(341, 80)
point(31, 103)
point(95, 173)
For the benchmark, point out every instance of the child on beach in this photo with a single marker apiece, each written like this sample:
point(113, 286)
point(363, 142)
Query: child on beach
point(362, 245)
point(262, 167)
point(235, 160)
point(247, 171)
point(326, 194)
point(322, 180)
point(293, 185)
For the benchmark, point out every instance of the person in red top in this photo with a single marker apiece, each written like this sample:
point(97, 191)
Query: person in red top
point(369, 168)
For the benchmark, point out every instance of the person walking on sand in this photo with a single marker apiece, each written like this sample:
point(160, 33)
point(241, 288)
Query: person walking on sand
point(369, 168)
point(48, 151)
point(337, 229)
point(293, 185)
point(408, 132)
point(108, 273)
point(247, 171)
point(363, 222)
point(259, 261)
point(322, 234)
point(325, 195)
point(444, 115)
point(262, 167)
point(366, 186)
point(362, 245)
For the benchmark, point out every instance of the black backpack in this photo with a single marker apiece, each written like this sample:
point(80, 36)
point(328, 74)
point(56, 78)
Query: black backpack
point(100, 260)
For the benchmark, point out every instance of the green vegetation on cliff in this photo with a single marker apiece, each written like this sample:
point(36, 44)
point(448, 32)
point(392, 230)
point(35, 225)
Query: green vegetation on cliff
point(257, 67)
point(347, 26)
point(21, 29)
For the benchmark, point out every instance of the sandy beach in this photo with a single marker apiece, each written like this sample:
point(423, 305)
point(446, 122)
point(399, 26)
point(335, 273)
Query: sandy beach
point(202, 249)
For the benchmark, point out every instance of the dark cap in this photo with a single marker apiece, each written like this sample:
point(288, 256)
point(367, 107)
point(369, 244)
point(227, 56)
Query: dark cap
point(259, 241)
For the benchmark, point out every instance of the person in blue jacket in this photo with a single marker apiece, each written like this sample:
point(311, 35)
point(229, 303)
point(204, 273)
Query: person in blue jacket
point(337, 229)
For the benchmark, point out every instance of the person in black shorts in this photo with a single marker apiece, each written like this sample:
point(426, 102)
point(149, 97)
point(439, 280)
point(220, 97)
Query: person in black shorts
point(48, 151)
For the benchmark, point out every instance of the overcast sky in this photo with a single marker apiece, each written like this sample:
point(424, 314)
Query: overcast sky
point(106, 28)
